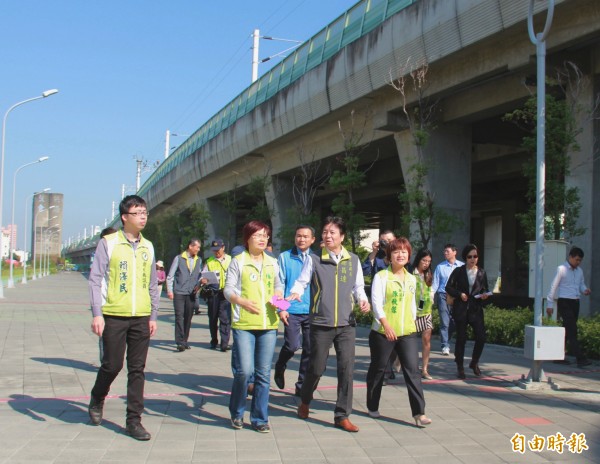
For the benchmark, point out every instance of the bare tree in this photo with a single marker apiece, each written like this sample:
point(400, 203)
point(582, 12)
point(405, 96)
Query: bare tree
point(308, 180)
point(420, 113)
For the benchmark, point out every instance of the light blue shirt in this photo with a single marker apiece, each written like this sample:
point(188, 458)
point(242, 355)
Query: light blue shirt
point(442, 274)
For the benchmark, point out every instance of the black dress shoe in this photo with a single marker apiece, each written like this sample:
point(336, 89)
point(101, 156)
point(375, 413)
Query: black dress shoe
point(224, 348)
point(279, 378)
point(297, 392)
point(138, 432)
point(461, 373)
point(187, 346)
point(475, 368)
point(180, 347)
point(95, 410)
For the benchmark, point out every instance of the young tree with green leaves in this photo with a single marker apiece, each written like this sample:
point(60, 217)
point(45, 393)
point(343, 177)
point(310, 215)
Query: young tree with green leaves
point(563, 106)
point(348, 178)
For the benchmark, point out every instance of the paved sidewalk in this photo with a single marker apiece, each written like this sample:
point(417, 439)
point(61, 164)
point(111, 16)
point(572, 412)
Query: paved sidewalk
point(49, 358)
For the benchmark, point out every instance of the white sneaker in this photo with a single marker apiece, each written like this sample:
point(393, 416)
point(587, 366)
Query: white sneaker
point(446, 351)
point(374, 414)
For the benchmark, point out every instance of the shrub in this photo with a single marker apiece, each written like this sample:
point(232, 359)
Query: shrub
point(588, 334)
point(507, 327)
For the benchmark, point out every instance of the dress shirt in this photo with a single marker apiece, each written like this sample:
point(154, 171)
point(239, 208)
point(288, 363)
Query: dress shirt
point(567, 283)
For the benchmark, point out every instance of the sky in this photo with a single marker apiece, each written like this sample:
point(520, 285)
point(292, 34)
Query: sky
point(126, 72)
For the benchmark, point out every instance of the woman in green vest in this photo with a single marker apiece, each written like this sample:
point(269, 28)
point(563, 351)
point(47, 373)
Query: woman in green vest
point(393, 293)
point(424, 299)
point(252, 281)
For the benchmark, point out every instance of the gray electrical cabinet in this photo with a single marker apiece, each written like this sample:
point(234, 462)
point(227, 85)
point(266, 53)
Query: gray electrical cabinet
point(544, 343)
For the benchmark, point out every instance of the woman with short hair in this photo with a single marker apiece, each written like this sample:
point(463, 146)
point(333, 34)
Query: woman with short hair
point(252, 281)
point(393, 300)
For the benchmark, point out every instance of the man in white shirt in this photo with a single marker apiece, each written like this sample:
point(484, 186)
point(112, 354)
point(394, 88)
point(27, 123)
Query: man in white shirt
point(567, 286)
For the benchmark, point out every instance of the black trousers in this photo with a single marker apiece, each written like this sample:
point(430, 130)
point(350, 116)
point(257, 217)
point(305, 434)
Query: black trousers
point(407, 348)
point(184, 310)
point(131, 334)
point(343, 340)
point(296, 335)
point(476, 321)
point(219, 319)
point(568, 311)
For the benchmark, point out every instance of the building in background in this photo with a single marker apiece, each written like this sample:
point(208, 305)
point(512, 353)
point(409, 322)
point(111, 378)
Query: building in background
point(46, 225)
point(5, 242)
point(9, 238)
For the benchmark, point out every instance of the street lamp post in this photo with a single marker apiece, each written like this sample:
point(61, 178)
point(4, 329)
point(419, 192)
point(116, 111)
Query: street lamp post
point(45, 94)
point(536, 373)
point(11, 282)
point(41, 241)
point(48, 246)
point(24, 281)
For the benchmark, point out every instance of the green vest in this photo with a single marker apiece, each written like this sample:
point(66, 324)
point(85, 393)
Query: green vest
point(127, 291)
point(220, 268)
point(397, 303)
point(423, 294)
point(331, 288)
point(259, 286)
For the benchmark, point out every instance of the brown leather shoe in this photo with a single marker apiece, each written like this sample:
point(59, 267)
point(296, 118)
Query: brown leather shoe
point(346, 425)
point(303, 411)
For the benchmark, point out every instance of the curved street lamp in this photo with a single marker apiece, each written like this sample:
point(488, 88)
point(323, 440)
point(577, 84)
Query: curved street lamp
point(24, 281)
point(11, 282)
point(45, 94)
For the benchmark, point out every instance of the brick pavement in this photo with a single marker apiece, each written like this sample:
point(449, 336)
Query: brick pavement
point(49, 357)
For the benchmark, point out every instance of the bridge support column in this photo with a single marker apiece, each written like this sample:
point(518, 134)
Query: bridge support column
point(280, 199)
point(448, 152)
point(584, 175)
point(221, 224)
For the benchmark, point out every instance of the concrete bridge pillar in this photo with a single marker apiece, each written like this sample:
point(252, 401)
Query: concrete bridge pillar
point(221, 224)
point(280, 199)
point(584, 174)
point(448, 153)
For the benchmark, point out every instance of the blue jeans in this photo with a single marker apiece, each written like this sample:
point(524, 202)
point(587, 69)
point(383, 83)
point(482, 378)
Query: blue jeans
point(252, 353)
point(446, 322)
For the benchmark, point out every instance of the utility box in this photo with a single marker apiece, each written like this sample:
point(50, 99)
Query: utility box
point(544, 343)
point(555, 253)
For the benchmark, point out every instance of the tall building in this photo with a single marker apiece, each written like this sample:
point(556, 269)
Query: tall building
point(9, 238)
point(46, 225)
point(5, 242)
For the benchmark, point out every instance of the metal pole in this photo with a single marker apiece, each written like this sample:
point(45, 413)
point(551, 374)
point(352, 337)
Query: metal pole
point(255, 37)
point(11, 282)
point(24, 281)
point(539, 40)
point(167, 143)
point(45, 94)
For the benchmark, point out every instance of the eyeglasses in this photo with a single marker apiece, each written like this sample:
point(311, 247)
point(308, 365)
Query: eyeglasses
point(259, 236)
point(139, 213)
point(472, 257)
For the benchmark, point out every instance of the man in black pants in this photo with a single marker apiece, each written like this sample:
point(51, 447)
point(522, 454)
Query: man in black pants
point(219, 309)
point(567, 286)
point(124, 299)
point(182, 285)
point(336, 282)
